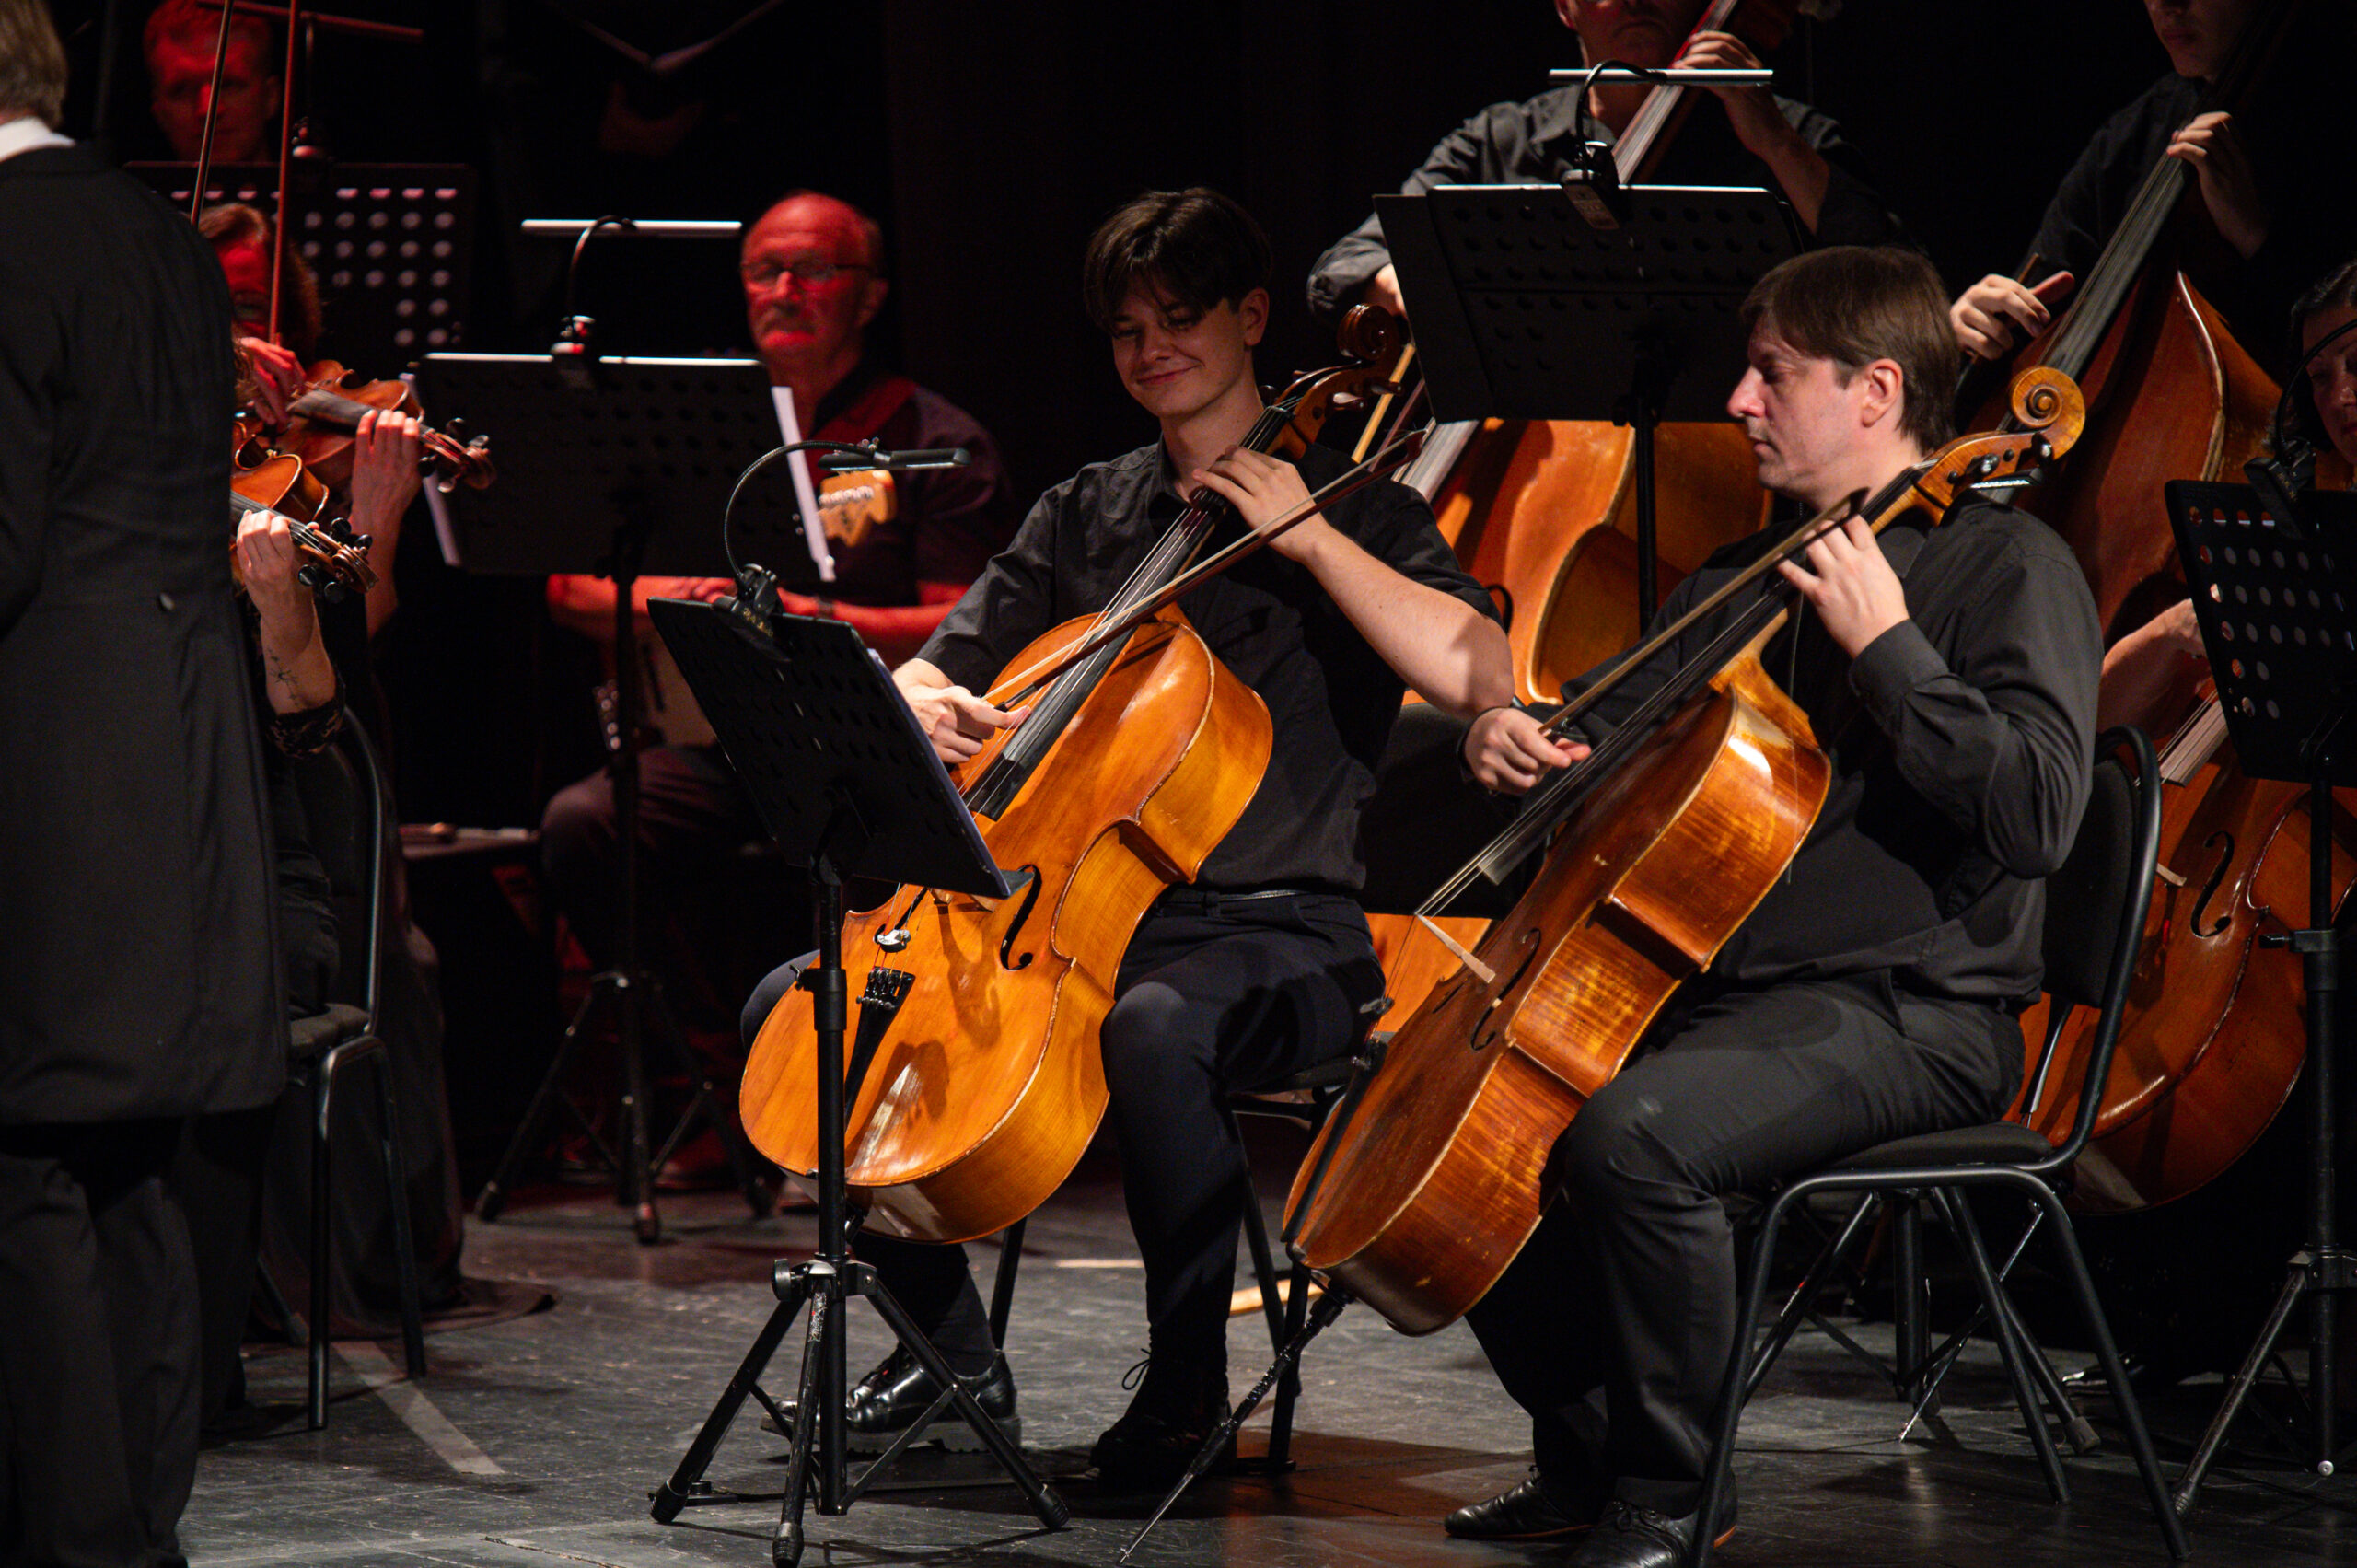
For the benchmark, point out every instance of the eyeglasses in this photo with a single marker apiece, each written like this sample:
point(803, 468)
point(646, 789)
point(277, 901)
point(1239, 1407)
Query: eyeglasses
point(806, 274)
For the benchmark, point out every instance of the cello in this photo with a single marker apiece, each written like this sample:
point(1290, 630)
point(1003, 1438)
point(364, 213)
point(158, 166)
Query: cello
point(1675, 827)
point(1136, 759)
point(1544, 511)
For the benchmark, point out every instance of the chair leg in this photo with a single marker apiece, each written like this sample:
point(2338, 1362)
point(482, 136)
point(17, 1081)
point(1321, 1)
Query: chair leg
point(1289, 1381)
point(1797, 1308)
point(1010, 1258)
point(2012, 1353)
point(318, 1336)
point(2123, 1397)
point(396, 1194)
point(1738, 1378)
point(1264, 1267)
point(1911, 1339)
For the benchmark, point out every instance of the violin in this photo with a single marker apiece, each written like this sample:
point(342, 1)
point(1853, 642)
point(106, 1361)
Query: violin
point(1141, 752)
point(1672, 830)
point(335, 559)
point(322, 419)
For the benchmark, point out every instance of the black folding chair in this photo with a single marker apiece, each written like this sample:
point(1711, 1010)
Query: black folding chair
point(2094, 925)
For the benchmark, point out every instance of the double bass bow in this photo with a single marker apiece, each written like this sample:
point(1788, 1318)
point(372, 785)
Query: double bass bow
point(1140, 752)
point(1672, 830)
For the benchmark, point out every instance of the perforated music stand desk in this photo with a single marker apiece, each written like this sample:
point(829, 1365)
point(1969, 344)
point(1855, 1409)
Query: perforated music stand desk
point(392, 244)
point(816, 729)
point(2277, 601)
point(1523, 309)
point(849, 787)
point(655, 442)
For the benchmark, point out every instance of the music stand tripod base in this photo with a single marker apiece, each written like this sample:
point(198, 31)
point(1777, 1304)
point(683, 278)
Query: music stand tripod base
point(619, 466)
point(849, 787)
point(2277, 601)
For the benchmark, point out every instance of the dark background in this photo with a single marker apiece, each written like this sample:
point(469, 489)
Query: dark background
point(991, 140)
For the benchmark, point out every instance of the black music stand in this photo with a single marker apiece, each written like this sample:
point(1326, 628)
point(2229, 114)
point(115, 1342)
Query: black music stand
point(1525, 308)
point(2277, 600)
point(620, 467)
point(849, 787)
point(392, 244)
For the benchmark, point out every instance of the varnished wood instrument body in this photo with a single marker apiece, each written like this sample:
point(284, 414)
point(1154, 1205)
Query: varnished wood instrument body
point(2213, 1036)
point(988, 1087)
point(1547, 510)
point(1418, 1200)
point(1420, 1213)
point(2170, 395)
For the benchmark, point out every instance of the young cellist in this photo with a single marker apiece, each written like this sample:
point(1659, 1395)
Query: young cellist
point(1949, 675)
point(1262, 965)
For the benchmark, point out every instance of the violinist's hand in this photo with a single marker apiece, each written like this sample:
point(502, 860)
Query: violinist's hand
point(1850, 585)
point(267, 561)
point(2229, 189)
point(277, 374)
point(957, 722)
point(1383, 289)
point(1265, 489)
point(1985, 315)
point(385, 473)
point(1509, 751)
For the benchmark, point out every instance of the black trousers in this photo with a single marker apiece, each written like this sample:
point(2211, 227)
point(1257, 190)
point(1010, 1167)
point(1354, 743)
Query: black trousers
point(1214, 995)
point(98, 1385)
point(691, 810)
point(1614, 1325)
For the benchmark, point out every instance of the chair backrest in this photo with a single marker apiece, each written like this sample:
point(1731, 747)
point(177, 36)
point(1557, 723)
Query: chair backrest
point(343, 802)
point(2096, 906)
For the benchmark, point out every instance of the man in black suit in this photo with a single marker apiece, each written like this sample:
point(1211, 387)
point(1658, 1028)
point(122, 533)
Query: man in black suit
point(137, 981)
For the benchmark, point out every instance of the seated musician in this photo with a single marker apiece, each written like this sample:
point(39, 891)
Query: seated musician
point(2253, 236)
point(1262, 967)
point(179, 41)
point(385, 448)
point(812, 268)
point(1759, 139)
point(1949, 675)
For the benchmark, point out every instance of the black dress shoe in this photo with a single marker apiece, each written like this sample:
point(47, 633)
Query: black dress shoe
point(887, 1400)
point(1525, 1511)
point(1630, 1537)
point(1177, 1408)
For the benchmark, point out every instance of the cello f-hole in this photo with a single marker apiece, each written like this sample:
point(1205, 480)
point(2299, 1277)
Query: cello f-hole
point(1484, 1033)
point(2217, 874)
point(1027, 878)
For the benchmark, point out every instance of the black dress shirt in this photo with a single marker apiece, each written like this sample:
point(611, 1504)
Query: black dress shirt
point(2299, 156)
point(1961, 742)
point(1535, 142)
point(1332, 699)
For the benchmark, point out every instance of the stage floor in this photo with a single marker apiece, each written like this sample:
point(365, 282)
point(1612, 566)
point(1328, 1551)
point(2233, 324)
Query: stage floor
point(536, 1440)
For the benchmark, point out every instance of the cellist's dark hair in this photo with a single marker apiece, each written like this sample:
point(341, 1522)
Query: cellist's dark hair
point(1855, 303)
point(32, 62)
point(2337, 290)
point(1196, 248)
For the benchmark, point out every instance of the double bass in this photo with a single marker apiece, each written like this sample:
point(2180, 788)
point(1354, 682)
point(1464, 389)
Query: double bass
point(1544, 511)
point(1673, 830)
point(2213, 1039)
point(1135, 762)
